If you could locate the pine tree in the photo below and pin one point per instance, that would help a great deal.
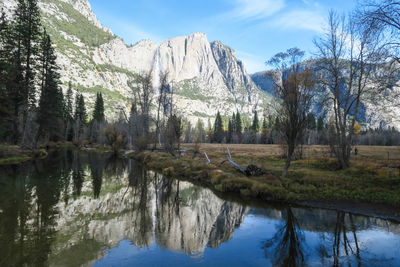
(218, 135)
(229, 137)
(256, 123)
(6, 103)
(69, 112)
(80, 116)
(209, 131)
(264, 132)
(27, 35)
(98, 113)
(51, 103)
(238, 126)
(98, 118)
(265, 124)
(11, 79)
(234, 122)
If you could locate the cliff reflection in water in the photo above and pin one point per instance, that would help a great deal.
(72, 208)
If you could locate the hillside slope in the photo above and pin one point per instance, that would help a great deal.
(206, 77)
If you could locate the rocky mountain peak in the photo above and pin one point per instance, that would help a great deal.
(206, 77)
(84, 7)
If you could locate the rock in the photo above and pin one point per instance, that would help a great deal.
(206, 77)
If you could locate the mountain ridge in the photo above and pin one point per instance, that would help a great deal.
(93, 59)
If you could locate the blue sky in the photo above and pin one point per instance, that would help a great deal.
(255, 29)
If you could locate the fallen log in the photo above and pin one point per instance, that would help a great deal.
(208, 160)
(250, 170)
(234, 164)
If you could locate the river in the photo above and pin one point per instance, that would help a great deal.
(90, 209)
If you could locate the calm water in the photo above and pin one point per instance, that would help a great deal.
(75, 209)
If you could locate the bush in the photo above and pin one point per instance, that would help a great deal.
(115, 137)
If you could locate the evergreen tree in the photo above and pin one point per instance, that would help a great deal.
(6, 104)
(264, 124)
(238, 126)
(264, 132)
(27, 23)
(51, 103)
(11, 79)
(234, 122)
(69, 114)
(256, 123)
(218, 135)
(98, 118)
(209, 131)
(98, 113)
(229, 137)
(80, 116)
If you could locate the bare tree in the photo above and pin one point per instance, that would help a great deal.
(349, 57)
(172, 134)
(383, 17)
(164, 102)
(142, 90)
(140, 117)
(294, 87)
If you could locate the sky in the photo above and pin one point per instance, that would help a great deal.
(255, 29)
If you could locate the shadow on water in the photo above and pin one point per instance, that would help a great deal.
(76, 208)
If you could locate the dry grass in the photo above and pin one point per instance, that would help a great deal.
(314, 177)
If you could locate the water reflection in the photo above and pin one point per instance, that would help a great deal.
(287, 243)
(75, 208)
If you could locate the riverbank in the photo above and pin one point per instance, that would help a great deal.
(312, 179)
(10, 155)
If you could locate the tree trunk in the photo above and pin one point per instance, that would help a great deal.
(288, 160)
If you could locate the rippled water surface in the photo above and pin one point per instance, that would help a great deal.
(75, 209)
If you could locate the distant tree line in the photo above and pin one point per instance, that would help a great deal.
(34, 109)
(237, 130)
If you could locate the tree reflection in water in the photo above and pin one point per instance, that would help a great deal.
(139, 183)
(285, 248)
(341, 231)
(67, 209)
(96, 165)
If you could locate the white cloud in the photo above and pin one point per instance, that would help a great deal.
(300, 19)
(254, 9)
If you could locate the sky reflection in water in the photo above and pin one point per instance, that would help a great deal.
(80, 209)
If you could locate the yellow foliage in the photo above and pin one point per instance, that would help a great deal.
(357, 128)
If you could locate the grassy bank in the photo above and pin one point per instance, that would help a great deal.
(10, 155)
(373, 177)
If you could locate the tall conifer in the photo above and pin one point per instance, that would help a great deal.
(98, 113)
(51, 103)
(218, 135)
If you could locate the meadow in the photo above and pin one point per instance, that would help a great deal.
(374, 175)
